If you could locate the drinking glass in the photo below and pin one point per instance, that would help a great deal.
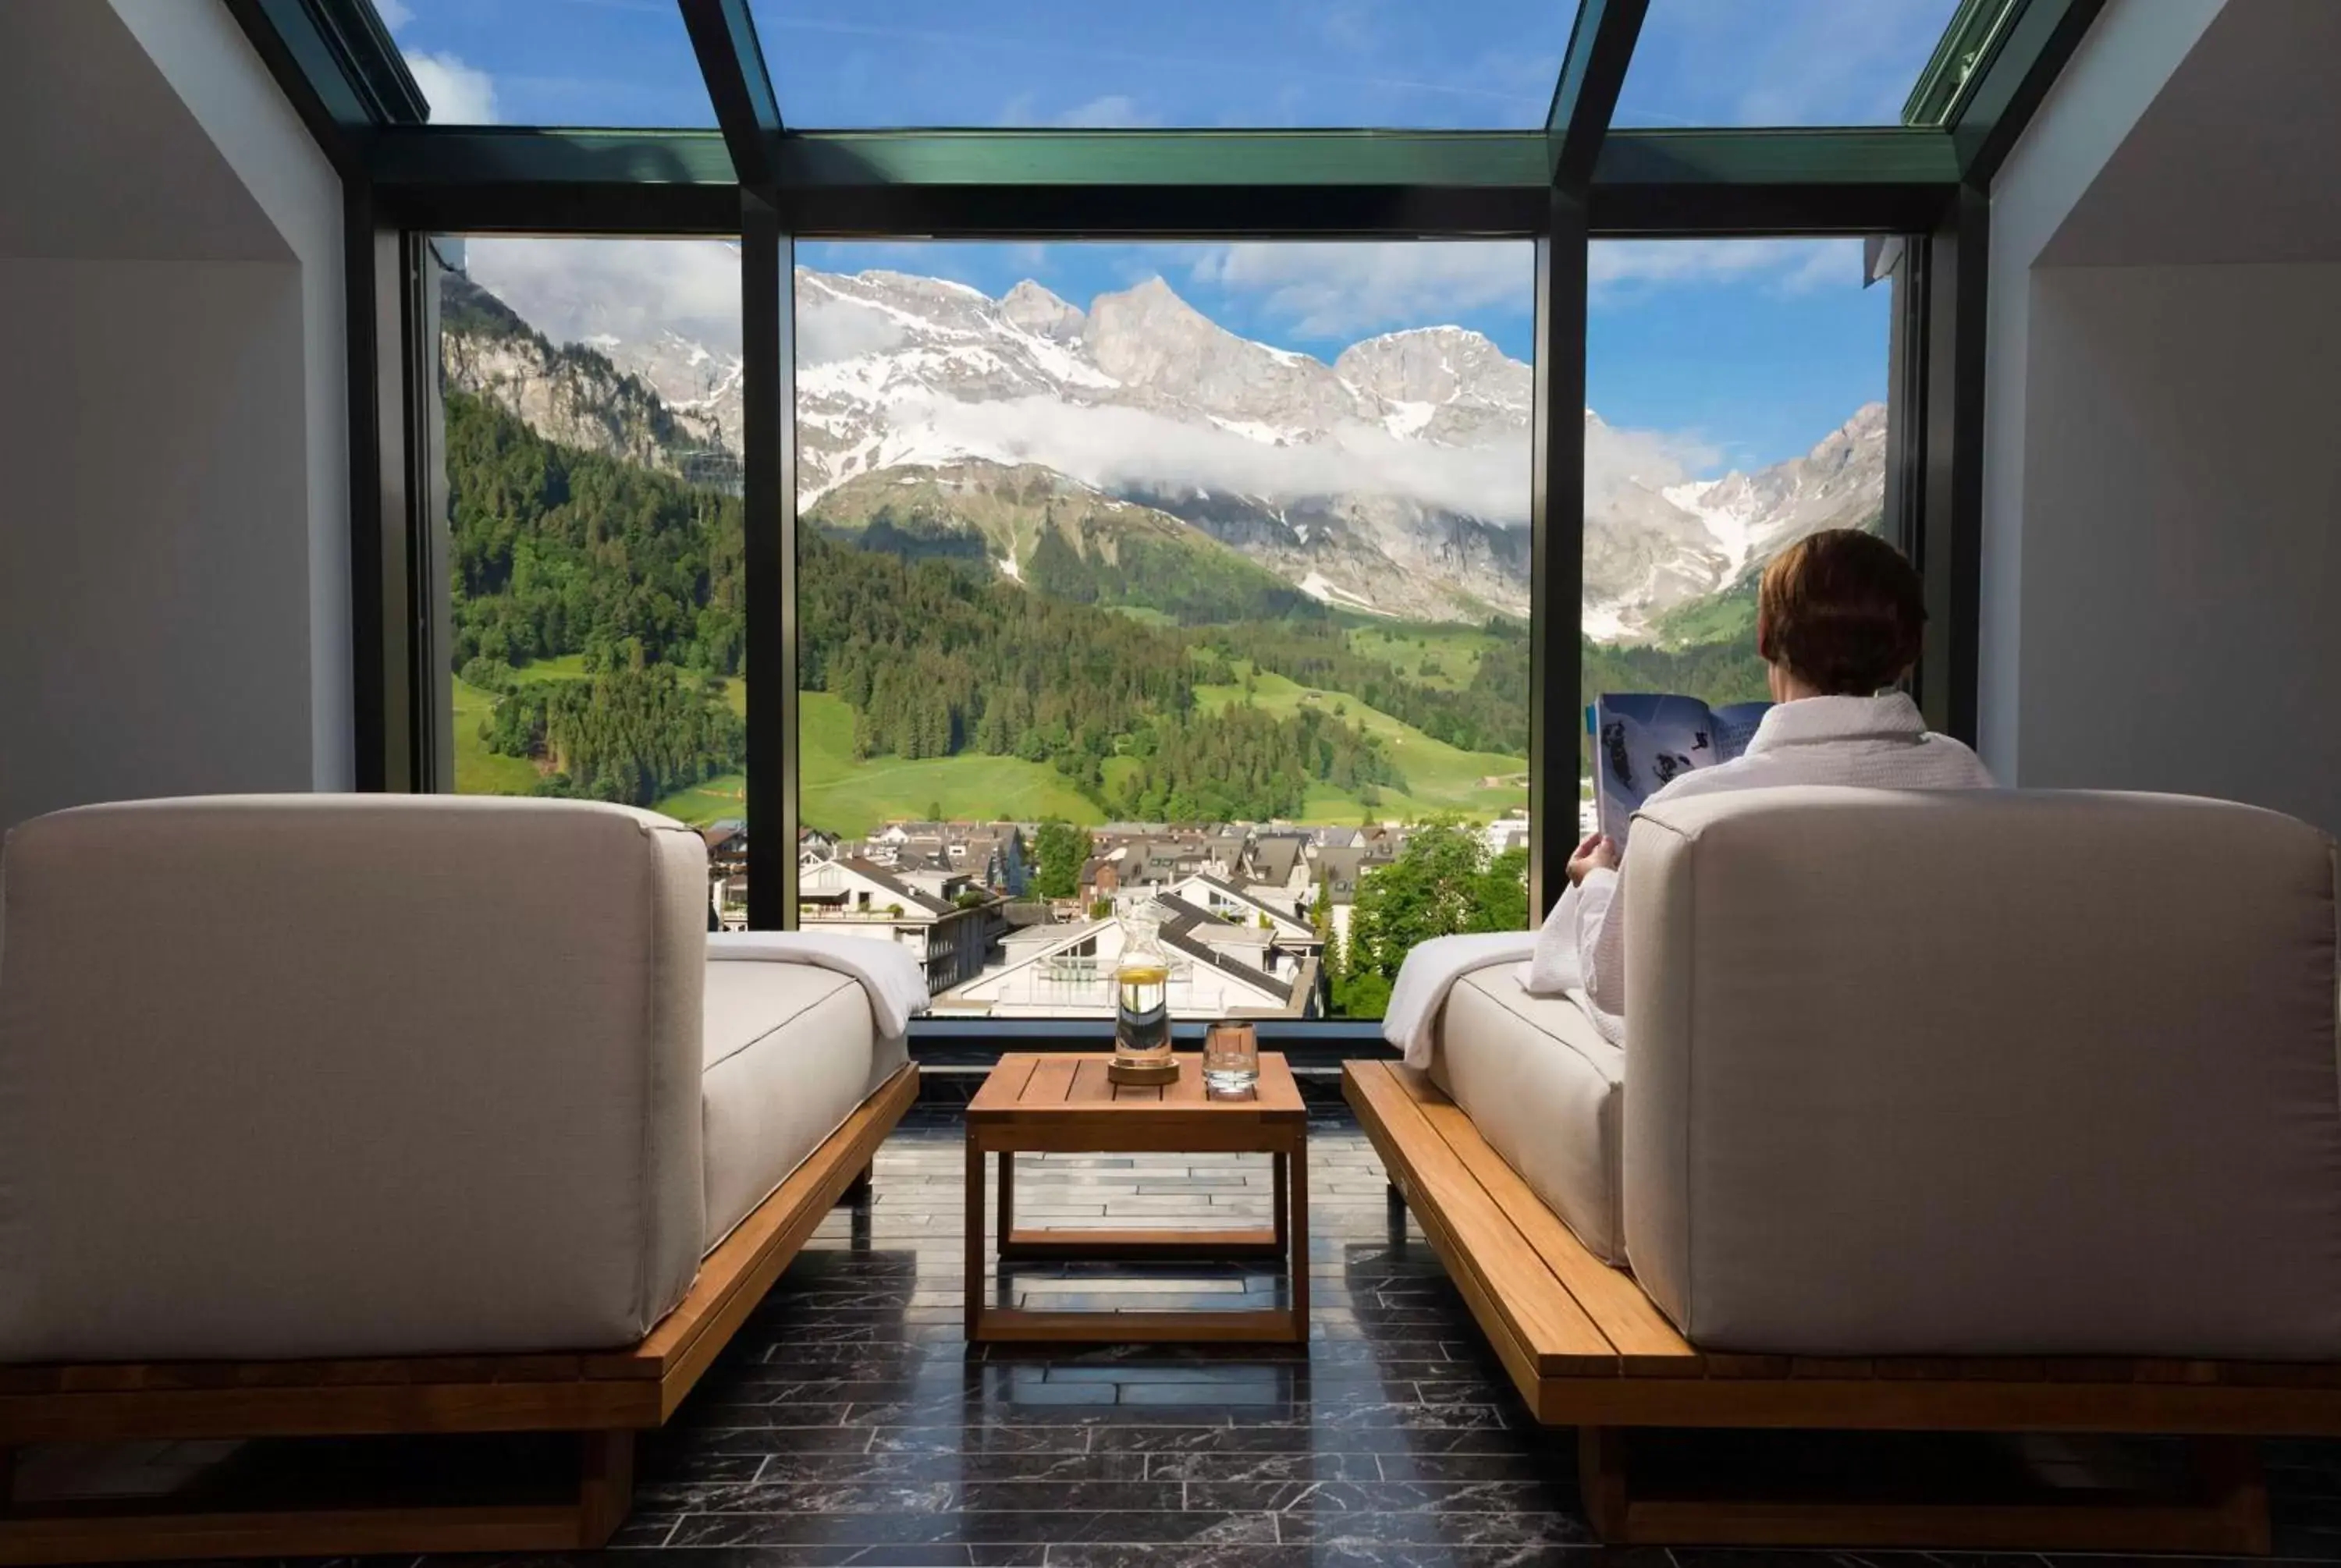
(1230, 1059)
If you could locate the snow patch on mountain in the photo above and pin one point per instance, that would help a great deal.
(1316, 586)
(1395, 479)
(1732, 521)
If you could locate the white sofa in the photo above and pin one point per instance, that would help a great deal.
(375, 1075)
(1960, 1073)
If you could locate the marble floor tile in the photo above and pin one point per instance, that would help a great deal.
(850, 1427)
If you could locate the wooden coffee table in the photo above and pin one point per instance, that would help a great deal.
(1060, 1102)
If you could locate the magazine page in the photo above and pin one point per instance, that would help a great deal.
(1644, 741)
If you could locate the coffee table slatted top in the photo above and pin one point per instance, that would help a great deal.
(1050, 1086)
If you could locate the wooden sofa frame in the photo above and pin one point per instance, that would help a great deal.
(1588, 1349)
(603, 1397)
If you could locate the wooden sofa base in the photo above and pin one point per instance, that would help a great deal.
(1587, 1349)
(2217, 1508)
(146, 1531)
(603, 1398)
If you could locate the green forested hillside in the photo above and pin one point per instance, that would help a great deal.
(1486, 712)
(1724, 616)
(1714, 672)
(1064, 539)
(937, 660)
(558, 551)
(1079, 674)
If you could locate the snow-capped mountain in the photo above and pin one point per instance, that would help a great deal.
(1650, 546)
(1394, 480)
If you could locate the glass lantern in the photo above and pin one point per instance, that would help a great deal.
(1142, 1012)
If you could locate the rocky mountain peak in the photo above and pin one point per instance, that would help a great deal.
(1851, 442)
(1045, 315)
(1393, 479)
(1149, 338)
(1427, 364)
(1142, 333)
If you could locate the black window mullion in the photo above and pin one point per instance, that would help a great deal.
(767, 318)
(1557, 552)
(1946, 431)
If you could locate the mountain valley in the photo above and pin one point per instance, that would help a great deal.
(1118, 559)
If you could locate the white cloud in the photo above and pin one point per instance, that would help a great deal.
(458, 94)
(1626, 269)
(1111, 112)
(1108, 112)
(571, 290)
(1121, 449)
(1348, 289)
(1645, 459)
(832, 329)
(1115, 448)
(394, 14)
(1780, 62)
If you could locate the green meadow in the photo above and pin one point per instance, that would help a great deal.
(842, 796)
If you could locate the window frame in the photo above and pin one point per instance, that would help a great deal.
(1572, 183)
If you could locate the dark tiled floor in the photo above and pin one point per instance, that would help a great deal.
(850, 1424)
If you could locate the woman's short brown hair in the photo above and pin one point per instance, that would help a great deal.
(1842, 610)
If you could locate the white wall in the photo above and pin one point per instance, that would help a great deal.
(2162, 515)
(2124, 60)
(2182, 569)
(174, 563)
(144, 569)
(212, 68)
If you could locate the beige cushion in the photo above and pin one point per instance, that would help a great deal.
(1984, 1072)
(1546, 1091)
(368, 1075)
(790, 1051)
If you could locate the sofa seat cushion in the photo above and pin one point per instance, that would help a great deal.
(790, 1050)
(1546, 1091)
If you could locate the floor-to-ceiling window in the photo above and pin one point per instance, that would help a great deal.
(592, 452)
(1736, 393)
(1170, 586)
(1134, 582)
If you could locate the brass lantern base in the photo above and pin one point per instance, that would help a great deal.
(1147, 1075)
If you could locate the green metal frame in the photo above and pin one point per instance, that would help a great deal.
(1592, 73)
(731, 63)
(1573, 182)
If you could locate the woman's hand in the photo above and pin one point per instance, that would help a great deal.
(1598, 851)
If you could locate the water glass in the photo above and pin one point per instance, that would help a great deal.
(1230, 1059)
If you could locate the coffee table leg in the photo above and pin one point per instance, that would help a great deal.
(1283, 1197)
(1007, 1197)
(1299, 1264)
(975, 1239)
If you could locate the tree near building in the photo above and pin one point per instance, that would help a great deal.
(1059, 849)
(1443, 882)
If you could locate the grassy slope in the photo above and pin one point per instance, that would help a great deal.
(1438, 777)
(846, 796)
(1728, 616)
(480, 771)
(1404, 646)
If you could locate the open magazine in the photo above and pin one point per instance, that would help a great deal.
(1643, 742)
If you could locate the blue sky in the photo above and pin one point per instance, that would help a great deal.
(1755, 350)
(1462, 64)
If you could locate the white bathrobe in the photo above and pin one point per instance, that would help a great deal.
(1869, 742)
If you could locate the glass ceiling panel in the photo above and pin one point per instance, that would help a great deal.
(1778, 62)
(623, 63)
(1478, 64)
